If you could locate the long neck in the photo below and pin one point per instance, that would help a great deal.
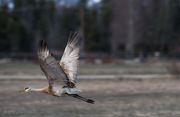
(43, 90)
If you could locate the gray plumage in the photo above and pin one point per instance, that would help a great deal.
(61, 73)
(65, 71)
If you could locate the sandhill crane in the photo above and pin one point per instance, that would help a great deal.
(61, 75)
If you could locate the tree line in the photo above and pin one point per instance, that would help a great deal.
(156, 25)
(31, 20)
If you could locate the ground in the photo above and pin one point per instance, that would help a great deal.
(32, 68)
(113, 98)
(117, 97)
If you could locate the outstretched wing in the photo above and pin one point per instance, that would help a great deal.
(69, 61)
(50, 66)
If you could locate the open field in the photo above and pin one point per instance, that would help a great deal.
(29, 68)
(114, 98)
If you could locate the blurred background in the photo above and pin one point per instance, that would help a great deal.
(129, 61)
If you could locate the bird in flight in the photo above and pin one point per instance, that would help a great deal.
(61, 75)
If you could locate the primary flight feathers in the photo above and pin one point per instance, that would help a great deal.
(68, 62)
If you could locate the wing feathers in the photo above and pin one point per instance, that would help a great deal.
(69, 60)
(51, 68)
(43, 51)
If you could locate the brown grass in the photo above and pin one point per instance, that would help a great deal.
(114, 98)
(174, 69)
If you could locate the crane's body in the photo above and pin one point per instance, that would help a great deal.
(61, 75)
(55, 91)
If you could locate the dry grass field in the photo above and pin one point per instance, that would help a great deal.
(29, 68)
(114, 98)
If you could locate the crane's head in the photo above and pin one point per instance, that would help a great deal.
(27, 89)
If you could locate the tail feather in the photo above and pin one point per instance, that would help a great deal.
(82, 98)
